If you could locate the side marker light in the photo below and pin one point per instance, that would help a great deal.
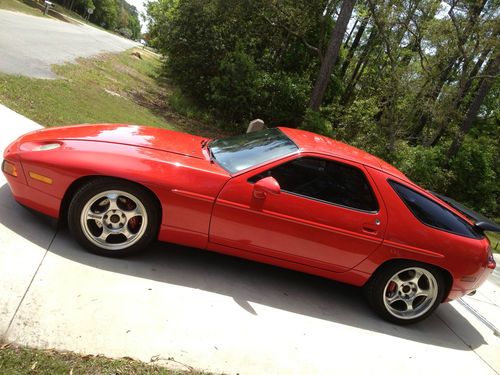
(41, 178)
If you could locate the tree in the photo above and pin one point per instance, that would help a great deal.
(490, 72)
(354, 45)
(111, 14)
(415, 81)
(331, 54)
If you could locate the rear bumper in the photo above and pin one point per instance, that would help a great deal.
(461, 288)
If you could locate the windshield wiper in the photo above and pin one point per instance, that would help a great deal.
(204, 144)
(211, 155)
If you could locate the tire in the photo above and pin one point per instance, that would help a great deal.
(405, 292)
(113, 217)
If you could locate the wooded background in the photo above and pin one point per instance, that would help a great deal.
(413, 81)
(115, 15)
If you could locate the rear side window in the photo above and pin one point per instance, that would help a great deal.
(431, 213)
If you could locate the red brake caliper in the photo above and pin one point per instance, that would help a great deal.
(133, 222)
(391, 289)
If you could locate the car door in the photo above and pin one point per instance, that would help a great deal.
(327, 214)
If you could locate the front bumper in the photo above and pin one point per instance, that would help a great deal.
(33, 198)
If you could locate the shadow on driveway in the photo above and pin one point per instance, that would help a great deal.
(249, 282)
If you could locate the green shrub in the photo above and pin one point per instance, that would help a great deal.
(234, 90)
(316, 123)
(423, 166)
(356, 125)
(282, 98)
(476, 170)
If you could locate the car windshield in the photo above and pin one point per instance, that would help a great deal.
(241, 152)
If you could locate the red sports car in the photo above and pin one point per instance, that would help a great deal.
(281, 196)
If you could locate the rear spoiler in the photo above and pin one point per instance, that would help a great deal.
(480, 221)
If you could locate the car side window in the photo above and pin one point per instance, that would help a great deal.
(431, 213)
(324, 180)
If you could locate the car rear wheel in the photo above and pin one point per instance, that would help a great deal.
(405, 292)
(113, 217)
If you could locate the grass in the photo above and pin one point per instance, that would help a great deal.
(19, 360)
(72, 16)
(70, 13)
(111, 88)
(30, 7)
(495, 241)
(18, 6)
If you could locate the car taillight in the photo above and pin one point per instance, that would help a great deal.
(491, 260)
(9, 168)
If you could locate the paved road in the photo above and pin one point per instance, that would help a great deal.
(184, 307)
(29, 44)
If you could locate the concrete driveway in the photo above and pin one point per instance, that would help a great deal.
(188, 308)
(30, 44)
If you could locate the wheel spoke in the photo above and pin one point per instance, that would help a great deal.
(115, 226)
(104, 234)
(417, 276)
(96, 217)
(409, 305)
(397, 280)
(394, 298)
(422, 293)
(126, 233)
(411, 300)
(133, 213)
(113, 201)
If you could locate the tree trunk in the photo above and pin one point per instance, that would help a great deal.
(351, 32)
(354, 45)
(358, 70)
(446, 69)
(432, 96)
(470, 82)
(461, 95)
(484, 87)
(331, 55)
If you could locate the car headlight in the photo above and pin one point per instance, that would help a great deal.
(40, 146)
(46, 147)
(9, 168)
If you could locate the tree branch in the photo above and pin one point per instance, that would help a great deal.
(294, 33)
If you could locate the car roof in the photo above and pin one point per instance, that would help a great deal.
(311, 142)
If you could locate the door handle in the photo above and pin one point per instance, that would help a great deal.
(369, 229)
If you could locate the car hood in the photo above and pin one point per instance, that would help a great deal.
(132, 135)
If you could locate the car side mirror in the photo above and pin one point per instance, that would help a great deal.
(264, 186)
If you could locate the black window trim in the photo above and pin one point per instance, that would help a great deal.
(478, 235)
(373, 212)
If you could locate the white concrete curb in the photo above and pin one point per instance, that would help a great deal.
(12, 125)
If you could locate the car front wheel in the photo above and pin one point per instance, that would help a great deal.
(113, 217)
(405, 292)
